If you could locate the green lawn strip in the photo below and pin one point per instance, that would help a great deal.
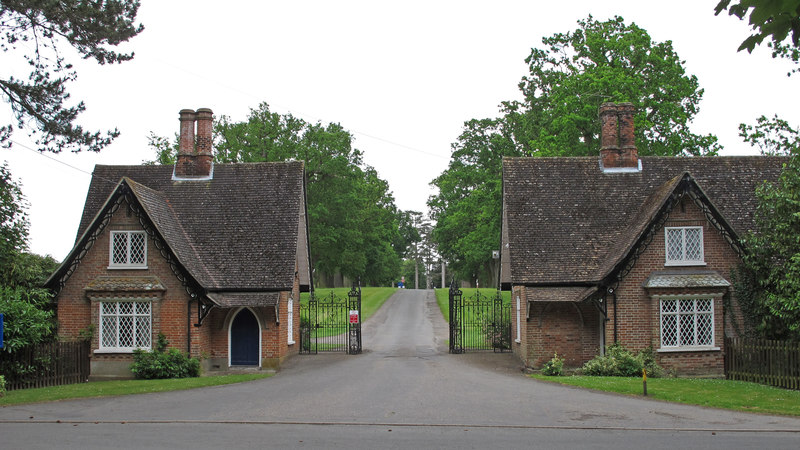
(120, 387)
(726, 394)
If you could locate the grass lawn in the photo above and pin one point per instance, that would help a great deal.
(443, 298)
(372, 298)
(726, 394)
(121, 387)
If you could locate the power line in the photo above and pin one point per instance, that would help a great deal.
(301, 114)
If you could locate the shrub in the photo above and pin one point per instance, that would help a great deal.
(554, 367)
(2, 386)
(621, 362)
(162, 363)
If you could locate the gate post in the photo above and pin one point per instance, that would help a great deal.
(456, 311)
(354, 303)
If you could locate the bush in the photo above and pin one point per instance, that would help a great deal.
(554, 367)
(2, 386)
(162, 363)
(621, 362)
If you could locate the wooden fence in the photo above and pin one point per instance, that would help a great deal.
(48, 364)
(775, 363)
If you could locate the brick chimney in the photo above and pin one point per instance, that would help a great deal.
(195, 154)
(617, 140)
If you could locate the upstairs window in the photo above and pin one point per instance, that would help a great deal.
(684, 246)
(128, 249)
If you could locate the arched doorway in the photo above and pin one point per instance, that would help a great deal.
(245, 339)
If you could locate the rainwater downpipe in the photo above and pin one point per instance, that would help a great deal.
(614, 294)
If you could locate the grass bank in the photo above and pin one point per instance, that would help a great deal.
(372, 298)
(725, 394)
(443, 297)
(121, 387)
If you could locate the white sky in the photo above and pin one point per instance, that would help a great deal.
(402, 76)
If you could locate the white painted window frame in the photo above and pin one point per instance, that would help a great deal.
(693, 346)
(683, 261)
(128, 264)
(116, 314)
(519, 315)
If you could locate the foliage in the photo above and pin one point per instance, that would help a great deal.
(2, 386)
(13, 218)
(28, 317)
(569, 78)
(767, 284)
(163, 363)
(776, 20)
(554, 367)
(621, 362)
(353, 220)
(40, 31)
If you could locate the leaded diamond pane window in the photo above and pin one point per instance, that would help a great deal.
(684, 245)
(125, 326)
(687, 323)
(128, 249)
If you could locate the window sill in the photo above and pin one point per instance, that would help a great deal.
(116, 350)
(127, 267)
(704, 348)
(685, 264)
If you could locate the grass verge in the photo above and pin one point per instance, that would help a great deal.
(120, 387)
(725, 394)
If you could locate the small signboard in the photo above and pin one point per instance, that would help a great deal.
(353, 316)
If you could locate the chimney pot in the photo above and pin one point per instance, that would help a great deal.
(194, 158)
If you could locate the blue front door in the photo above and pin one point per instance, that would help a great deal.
(244, 339)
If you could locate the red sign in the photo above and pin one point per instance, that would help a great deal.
(353, 316)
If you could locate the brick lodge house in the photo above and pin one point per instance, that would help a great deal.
(629, 250)
(214, 256)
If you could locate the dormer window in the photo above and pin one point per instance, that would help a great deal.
(128, 250)
(684, 246)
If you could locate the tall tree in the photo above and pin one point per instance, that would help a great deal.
(38, 30)
(768, 282)
(352, 214)
(25, 304)
(570, 76)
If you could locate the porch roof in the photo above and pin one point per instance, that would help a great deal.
(236, 299)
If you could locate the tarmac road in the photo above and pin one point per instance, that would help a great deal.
(404, 391)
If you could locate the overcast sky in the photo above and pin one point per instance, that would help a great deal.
(403, 77)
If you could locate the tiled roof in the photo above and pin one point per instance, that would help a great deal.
(685, 279)
(567, 221)
(125, 284)
(237, 231)
(235, 299)
(560, 294)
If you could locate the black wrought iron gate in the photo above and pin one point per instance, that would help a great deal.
(331, 323)
(479, 322)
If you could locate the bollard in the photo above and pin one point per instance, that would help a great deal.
(644, 381)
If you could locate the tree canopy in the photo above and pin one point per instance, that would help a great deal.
(776, 21)
(25, 304)
(768, 282)
(569, 77)
(352, 217)
(39, 31)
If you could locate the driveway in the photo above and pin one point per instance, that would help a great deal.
(404, 391)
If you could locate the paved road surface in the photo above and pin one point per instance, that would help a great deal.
(404, 391)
